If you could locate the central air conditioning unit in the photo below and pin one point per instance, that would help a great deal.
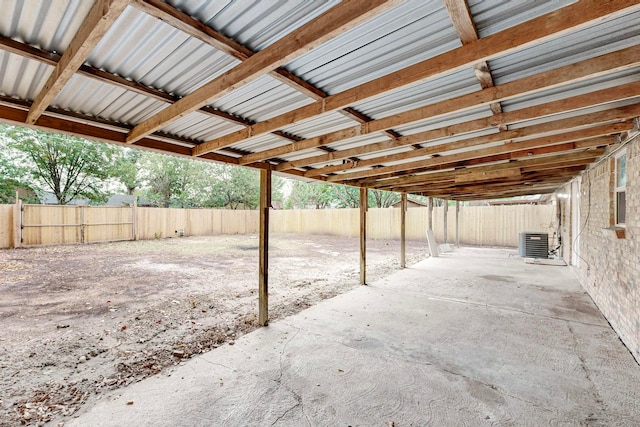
(533, 245)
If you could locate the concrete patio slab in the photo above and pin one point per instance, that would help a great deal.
(475, 337)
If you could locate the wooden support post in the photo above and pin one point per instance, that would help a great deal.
(458, 223)
(17, 222)
(430, 213)
(445, 210)
(403, 234)
(263, 285)
(363, 235)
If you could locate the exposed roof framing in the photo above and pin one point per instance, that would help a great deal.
(100, 18)
(337, 20)
(463, 22)
(445, 99)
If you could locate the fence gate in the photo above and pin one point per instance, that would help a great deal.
(59, 224)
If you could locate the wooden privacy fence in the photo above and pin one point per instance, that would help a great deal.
(50, 224)
(55, 224)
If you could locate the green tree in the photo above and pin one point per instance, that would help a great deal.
(68, 166)
(14, 175)
(382, 199)
(234, 187)
(127, 168)
(171, 181)
(318, 195)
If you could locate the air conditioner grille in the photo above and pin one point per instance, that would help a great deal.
(534, 245)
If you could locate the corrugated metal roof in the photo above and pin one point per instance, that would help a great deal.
(254, 23)
(492, 16)
(49, 25)
(359, 141)
(447, 120)
(402, 36)
(605, 37)
(573, 89)
(321, 125)
(262, 142)
(94, 98)
(262, 99)
(579, 112)
(21, 77)
(149, 51)
(429, 92)
(201, 127)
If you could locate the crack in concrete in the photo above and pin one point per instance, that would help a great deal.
(296, 396)
(583, 365)
(493, 387)
(479, 304)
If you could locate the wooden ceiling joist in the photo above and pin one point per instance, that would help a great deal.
(468, 33)
(574, 122)
(430, 177)
(615, 61)
(504, 137)
(539, 29)
(191, 26)
(525, 184)
(103, 76)
(542, 110)
(101, 16)
(337, 20)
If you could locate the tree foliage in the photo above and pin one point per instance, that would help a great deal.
(316, 195)
(67, 166)
(13, 176)
(320, 195)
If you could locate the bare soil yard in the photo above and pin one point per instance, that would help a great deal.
(79, 320)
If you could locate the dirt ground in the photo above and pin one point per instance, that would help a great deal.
(80, 320)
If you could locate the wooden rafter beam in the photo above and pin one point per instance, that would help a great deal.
(14, 111)
(194, 28)
(100, 18)
(337, 20)
(542, 28)
(551, 178)
(102, 76)
(568, 104)
(468, 33)
(432, 177)
(585, 120)
(608, 63)
(527, 183)
(442, 149)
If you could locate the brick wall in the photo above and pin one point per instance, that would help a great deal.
(609, 265)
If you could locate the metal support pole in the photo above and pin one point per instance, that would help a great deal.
(263, 280)
(430, 213)
(363, 235)
(403, 234)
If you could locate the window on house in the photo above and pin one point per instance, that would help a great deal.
(621, 187)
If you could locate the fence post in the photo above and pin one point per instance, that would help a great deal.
(82, 227)
(134, 218)
(17, 222)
